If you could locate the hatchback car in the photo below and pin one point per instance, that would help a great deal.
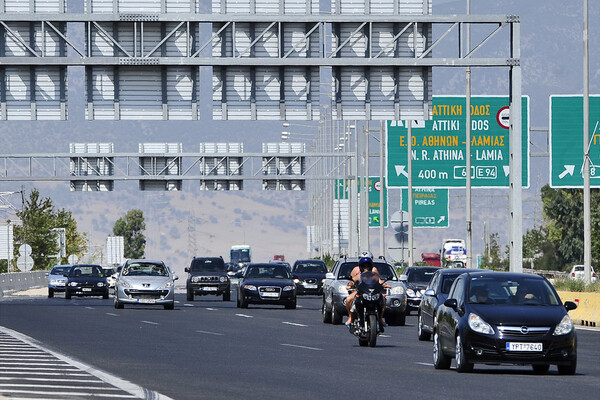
(269, 283)
(86, 280)
(416, 280)
(207, 275)
(578, 272)
(146, 282)
(499, 317)
(309, 276)
(57, 280)
(435, 294)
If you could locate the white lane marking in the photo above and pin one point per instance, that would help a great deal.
(150, 322)
(112, 314)
(211, 309)
(70, 394)
(63, 386)
(301, 347)
(90, 308)
(587, 328)
(426, 364)
(39, 373)
(386, 336)
(6, 378)
(188, 305)
(244, 315)
(210, 333)
(177, 301)
(294, 324)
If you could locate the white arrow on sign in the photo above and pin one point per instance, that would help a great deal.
(506, 169)
(400, 169)
(569, 169)
(442, 218)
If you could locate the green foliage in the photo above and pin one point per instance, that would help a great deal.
(3, 266)
(538, 246)
(132, 227)
(76, 243)
(575, 285)
(494, 258)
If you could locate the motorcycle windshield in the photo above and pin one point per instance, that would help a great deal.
(369, 281)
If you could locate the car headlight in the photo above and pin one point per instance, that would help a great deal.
(100, 284)
(410, 292)
(167, 285)
(323, 280)
(477, 324)
(73, 284)
(565, 326)
(288, 288)
(250, 287)
(296, 281)
(123, 283)
(342, 289)
(223, 279)
(397, 290)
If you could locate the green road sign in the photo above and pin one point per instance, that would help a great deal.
(430, 207)
(566, 141)
(375, 188)
(438, 145)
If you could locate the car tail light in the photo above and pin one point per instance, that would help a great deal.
(572, 273)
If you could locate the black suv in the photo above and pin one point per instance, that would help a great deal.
(207, 275)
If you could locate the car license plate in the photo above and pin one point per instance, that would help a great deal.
(209, 289)
(310, 286)
(86, 289)
(270, 294)
(146, 301)
(515, 346)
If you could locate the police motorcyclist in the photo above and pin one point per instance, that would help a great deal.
(365, 264)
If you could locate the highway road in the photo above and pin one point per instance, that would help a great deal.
(209, 349)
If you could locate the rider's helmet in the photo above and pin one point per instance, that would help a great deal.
(365, 260)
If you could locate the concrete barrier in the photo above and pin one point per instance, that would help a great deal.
(588, 307)
(16, 281)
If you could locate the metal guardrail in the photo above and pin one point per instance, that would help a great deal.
(15, 281)
(546, 273)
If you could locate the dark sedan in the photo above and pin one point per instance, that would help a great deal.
(416, 280)
(435, 295)
(309, 276)
(499, 317)
(269, 283)
(86, 280)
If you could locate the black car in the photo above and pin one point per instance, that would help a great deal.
(500, 317)
(268, 283)
(207, 275)
(416, 280)
(309, 276)
(86, 280)
(435, 294)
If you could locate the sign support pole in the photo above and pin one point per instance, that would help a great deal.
(587, 212)
(469, 239)
(410, 189)
(381, 192)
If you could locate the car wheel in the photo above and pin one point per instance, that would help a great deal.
(50, 292)
(568, 369)
(326, 314)
(423, 336)
(105, 295)
(291, 306)
(170, 306)
(227, 296)
(462, 364)
(440, 360)
(540, 368)
(118, 304)
(400, 319)
(336, 317)
(190, 295)
(243, 302)
(67, 295)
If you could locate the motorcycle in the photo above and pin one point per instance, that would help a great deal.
(369, 296)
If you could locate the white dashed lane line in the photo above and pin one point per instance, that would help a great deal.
(294, 324)
(112, 314)
(211, 333)
(301, 347)
(150, 322)
(244, 315)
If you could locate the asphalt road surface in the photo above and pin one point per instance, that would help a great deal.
(209, 349)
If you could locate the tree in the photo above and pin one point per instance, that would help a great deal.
(38, 220)
(76, 243)
(493, 257)
(538, 246)
(132, 227)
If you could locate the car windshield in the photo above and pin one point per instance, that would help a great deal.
(208, 265)
(60, 270)
(86, 271)
(511, 290)
(268, 271)
(386, 272)
(145, 269)
(420, 275)
(310, 268)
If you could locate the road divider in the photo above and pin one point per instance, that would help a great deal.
(587, 312)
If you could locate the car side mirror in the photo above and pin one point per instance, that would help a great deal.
(570, 305)
(46, 274)
(186, 269)
(175, 277)
(239, 275)
(451, 303)
(429, 292)
(403, 278)
(329, 275)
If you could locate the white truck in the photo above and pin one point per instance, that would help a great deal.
(454, 253)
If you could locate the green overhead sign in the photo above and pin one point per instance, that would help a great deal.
(430, 207)
(439, 145)
(566, 141)
(375, 188)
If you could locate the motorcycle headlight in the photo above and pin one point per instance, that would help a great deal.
(100, 284)
(371, 297)
(565, 326)
(397, 290)
(252, 288)
(410, 292)
(123, 283)
(288, 288)
(167, 285)
(342, 289)
(477, 324)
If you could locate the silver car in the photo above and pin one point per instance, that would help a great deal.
(145, 282)
(57, 279)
